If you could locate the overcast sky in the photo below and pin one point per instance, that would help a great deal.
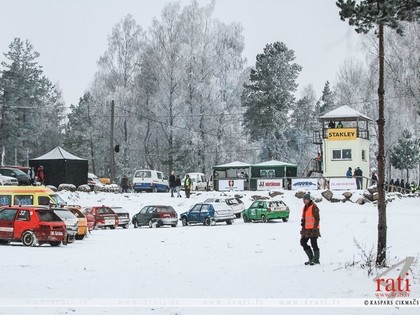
(70, 35)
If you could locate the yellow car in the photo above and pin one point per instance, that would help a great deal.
(82, 229)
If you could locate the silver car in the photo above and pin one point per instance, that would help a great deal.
(123, 217)
(71, 222)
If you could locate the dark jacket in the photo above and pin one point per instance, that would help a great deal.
(178, 182)
(124, 182)
(172, 180)
(311, 232)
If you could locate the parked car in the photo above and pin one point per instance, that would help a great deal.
(155, 216)
(150, 180)
(90, 220)
(82, 228)
(31, 226)
(94, 182)
(8, 181)
(22, 177)
(123, 216)
(266, 210)
(235, 203)
(208, 213)
(198, 181)
(71, 222)
(104, 217)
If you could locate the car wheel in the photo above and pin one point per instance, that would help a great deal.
(134, 223)
(56, 243)
(207, 221)
(113, 227)
(173, 225)
(28, 238)
(264, 218)
(125, 226)
(184, 221)
(150, 224)
(78, 237)
(229, 222)
(285, 219)
(4, 242)
(245, 218)
(238, 215)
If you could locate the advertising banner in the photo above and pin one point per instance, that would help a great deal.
(231, 184)
(304, 183)
(268, 184)
(343, 184)
(340, 134)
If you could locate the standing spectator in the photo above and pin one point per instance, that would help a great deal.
(178, 186)
(331, 124)
(358, 173)
(318, 160)
(40, 174)
(187, 186)
(396, 184)
(172, 184)
(31, 175)
(374, 179)
(349, 173)
(310, 230)
(340, 124)
(124, 184)
(402, 185)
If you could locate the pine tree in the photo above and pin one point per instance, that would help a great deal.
(405, 155)
(29, 103)
(268, 98)
(366, 15)
(327, 101)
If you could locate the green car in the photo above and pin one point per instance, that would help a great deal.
(266, 210)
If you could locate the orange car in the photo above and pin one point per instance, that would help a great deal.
(82, 224)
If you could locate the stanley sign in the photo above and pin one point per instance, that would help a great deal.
(341, 134)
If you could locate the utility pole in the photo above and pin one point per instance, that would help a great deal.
(111, 145)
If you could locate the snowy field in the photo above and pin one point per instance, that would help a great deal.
(135, 271)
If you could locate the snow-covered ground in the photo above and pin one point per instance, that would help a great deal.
(136, 271)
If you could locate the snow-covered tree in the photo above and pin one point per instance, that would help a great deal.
(31, 107)
(405, 155)
(269, 97)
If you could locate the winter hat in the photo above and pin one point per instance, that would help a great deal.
(307, 196)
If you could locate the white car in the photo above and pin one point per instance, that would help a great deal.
(123, 216)
(71, 222)
(8, 181)
(94, 182)
(150, 180)
(198, 181)
(235, 203)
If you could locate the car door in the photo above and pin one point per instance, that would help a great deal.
(148, 215)
(261, 209)
(21, 223)
(7, 218)
(204, 212)
(252, 211)
(140, 214)
(194, 214)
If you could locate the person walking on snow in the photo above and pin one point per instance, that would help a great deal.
(40, 175)
(187, 186)
(172, 184)
(178, 186)
(310, 230)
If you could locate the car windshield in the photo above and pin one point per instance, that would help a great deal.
(57, 200)
(77, 213)
(165, 210)
(64, 214)
(232, 201)
(48, 216)
(275, 204)
(143, 174)
(18, 172)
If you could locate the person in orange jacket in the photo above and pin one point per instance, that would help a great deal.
(310, 230)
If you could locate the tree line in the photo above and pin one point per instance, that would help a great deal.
(185, 98)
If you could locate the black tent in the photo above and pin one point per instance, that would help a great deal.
(62, 167)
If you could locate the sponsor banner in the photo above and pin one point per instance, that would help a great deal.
(343, 184)
(268, 184)
(231, 184)
(340, 134)
(304, 183)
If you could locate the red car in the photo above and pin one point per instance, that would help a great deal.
(104, 216)
(31, 226)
